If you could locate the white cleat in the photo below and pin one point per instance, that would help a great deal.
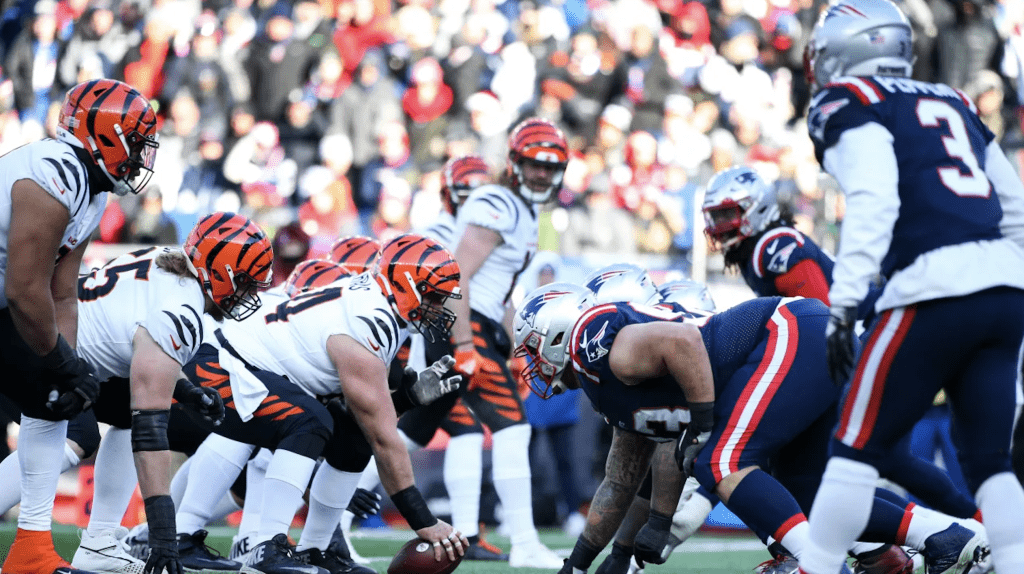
(107, 553)
(533, 555)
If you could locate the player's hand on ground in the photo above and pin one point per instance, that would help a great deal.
(205, 401)
(431, 383)
(364, 503)
(445, 539)
(840, 343)
(652, 542)
(163, 560)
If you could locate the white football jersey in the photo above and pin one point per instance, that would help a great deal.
(55, 167)
(290, 338)
(442, 229)
(495, 207)
(131, 292)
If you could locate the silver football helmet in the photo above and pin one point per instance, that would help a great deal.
(622, 283)
(859, 38)
(738, 204)
(693, 295)
(542, 327)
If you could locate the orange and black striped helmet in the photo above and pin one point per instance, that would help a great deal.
(356, 254)
(232, 258)
(460, 176)
(116, 125)
(311, 274)
(417, 274)
(538, 141)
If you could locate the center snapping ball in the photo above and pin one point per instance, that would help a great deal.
(417, 557)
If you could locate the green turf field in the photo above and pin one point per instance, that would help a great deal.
(703, 554)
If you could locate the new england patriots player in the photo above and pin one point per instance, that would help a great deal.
(53, 195)
(724, 394)
(497, 230)
(933, 205)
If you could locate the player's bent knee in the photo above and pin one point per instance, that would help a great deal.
(84, 432)
(306, 436)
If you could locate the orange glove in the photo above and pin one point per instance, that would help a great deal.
(467, 362)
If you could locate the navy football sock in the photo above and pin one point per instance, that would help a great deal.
(767, 507)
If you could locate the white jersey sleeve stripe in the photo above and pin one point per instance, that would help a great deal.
(509, 207)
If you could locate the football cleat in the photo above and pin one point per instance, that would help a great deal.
(240, 547)
(954, 550)
(781, 564)
(485, 551)
(196, 555)
(331, 562)
(107, 552)
(533, 555)
(277, 556)
(33, 553)
(138, 541)
(889, 559)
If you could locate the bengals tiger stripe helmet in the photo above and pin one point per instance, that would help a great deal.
(231, 256)
(460, 176)
(356, 254)
(537, 141)
(417, 275)
(311, 274)
(115, 124)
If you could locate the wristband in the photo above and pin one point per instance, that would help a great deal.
(583, 554)
(413, 508)
(160, 515)
(702, 416)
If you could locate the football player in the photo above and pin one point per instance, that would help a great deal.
(745, 383)
(54, 193)
(356, 254)
(496, 230)
(329, 341)
(692, 295)
(935, 208)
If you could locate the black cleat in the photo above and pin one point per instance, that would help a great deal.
(196, 555)
(277, 556)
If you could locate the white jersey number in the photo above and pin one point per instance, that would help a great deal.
(931, 114)
(661, 421)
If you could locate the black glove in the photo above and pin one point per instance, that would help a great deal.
(840, 343)
(618, 561)
(77, 388)
(364, 503)
(430, 384)
(163, 538)
(696, 435)
(567, 568)
(652, 542)
(205, 401)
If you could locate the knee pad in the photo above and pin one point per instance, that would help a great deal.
(307, 435)
(149, 430)
(85, 432)
(510, 453)
(348, 452)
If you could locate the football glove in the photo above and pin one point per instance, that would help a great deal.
(163, 538)
(697, 434)
(652, 542)
(618, 561)
(205, 401)
(430, 383)
(77, 387)
(364, 503)
(840, 343)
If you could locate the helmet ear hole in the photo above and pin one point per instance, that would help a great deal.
(105, 140)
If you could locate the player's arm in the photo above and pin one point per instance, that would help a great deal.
(1009, 189)
(805, 279)
(474, 248)
(863, 161)
(38, 222)
(65, 292)
(648, 350)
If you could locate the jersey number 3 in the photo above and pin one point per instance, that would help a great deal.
(974, 183)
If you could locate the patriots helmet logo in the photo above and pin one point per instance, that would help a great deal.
(592, 347)
(531, 307)
(595, 283)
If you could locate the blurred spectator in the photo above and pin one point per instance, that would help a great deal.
(416, 32)
(392, 162)
(466, 63)
(425, 103)
(201, 74)
(302, 131)
(329, 212)
(987, 92)
(370, 102)
(488, 127)
(204, 181)
(594, 80)
(291, 247)
(239, 29)
(611, 133)
(98, 43)
(179, 138)
(278, 64)
(358, 27)
(143, 63)
(32, 65)
(682, 142)
(258, 164)
(150, 225)
(310, 25)
(969, 45)
(392, 215)
(648, 82)
(596, 225)
(514, 80)
(327, 82)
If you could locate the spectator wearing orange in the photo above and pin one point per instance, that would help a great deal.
(426, 103)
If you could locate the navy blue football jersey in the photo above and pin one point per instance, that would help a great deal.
(940, 145)
(657, 407)
(778, 251)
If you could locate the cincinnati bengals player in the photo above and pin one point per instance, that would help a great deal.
(335, 340)
(356, 254)
(311, 274)
(53, 194)
(496, 236)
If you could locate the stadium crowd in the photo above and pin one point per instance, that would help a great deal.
(339, 114)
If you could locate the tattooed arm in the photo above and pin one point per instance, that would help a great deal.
(668, 480)
(628, 461)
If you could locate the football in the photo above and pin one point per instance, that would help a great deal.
(417, 557)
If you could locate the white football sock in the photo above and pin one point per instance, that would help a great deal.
(215, 466)
(839, 515)
(179, 482)
(41, 455)
(287, 477)
(114, 482)
(798, 539)
(1002, 505)
(923, 523)
(510, 462)
(463, 472)
(10, 477)
(858, 548)
(255, 476)
(329, 495)
(370, 478)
